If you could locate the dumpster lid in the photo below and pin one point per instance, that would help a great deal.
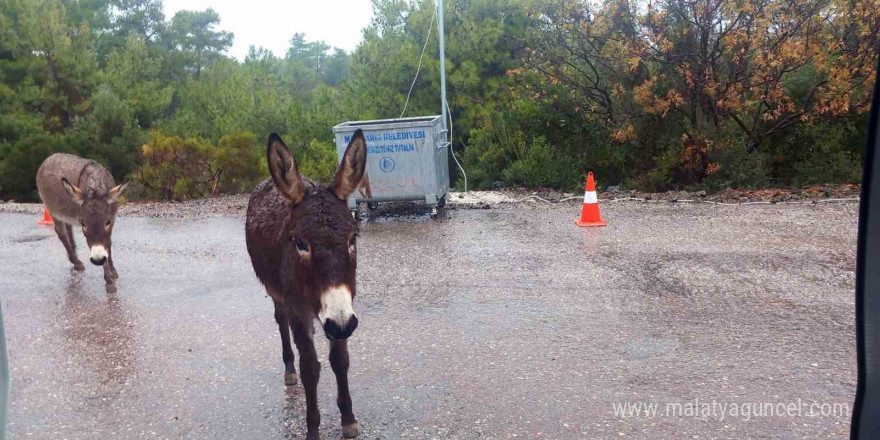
(397, 122)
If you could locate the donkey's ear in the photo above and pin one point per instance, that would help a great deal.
(75, 194)
(282, 167)
(350, 173)
(117, 191)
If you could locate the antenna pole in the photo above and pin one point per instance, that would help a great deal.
(442, 68)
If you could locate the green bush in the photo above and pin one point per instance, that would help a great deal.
(175, 168)
(493, 147)
(735, 167)
(541, 167)
(20, 161)
(317, 161)
(660, 178)
(825, 156)
(712, 161)
(240, 163)
(522, 145)
(107, 134)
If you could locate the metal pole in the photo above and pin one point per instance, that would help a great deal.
(442, 69)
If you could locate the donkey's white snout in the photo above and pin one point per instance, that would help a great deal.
(98, 255)
(337, 312)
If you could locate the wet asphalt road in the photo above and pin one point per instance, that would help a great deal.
(501, 323)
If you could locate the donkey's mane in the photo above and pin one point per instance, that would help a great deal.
(91, 194)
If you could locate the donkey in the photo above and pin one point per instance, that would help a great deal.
(302, 243)
(91, 201)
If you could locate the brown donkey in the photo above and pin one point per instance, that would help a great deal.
(79, 191)
(301, 239)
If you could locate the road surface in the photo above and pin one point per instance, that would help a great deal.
(489, 323)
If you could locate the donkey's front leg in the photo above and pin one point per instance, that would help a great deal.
(113, 272)
(339, 362)
(286, 351)
(109, 281)
(109, 273)
(65, 234)
(309, 371)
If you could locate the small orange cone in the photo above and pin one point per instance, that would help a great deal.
(47, 220)
(590, 212)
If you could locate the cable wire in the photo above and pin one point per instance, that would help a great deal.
(419, 68)
(449, 114)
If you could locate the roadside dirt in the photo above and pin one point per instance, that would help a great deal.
(237, 204)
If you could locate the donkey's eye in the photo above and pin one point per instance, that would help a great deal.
(301, 245)
(107, 225)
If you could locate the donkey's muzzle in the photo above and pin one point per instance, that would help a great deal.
(98, 255)
(336, 332)
(336, 314)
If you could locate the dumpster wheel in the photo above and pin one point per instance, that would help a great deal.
(439, 210)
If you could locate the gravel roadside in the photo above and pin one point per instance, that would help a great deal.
(236, 205)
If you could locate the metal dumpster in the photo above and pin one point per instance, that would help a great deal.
(407, 159)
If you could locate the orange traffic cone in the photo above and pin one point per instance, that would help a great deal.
(47, 220)
(590, 212)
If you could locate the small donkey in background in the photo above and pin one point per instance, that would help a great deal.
(302, 242)
(77, 190)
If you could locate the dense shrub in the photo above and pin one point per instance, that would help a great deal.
(19, 162)
(239, 163)
(712, 164)
(109, 134)
(541, 166)
(491, 150)
(317, 160)
(175, 168)
(824, 153)
(735, 167)
(524, 145)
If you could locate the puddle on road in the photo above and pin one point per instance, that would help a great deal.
(400, 212)
(97, 335)
(29, 238)
(647, 346)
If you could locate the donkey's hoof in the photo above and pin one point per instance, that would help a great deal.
(350, 431)
(79, 266)
(290, 379)
(111, 288)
